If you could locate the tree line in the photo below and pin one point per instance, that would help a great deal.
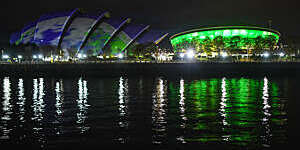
(230, 45)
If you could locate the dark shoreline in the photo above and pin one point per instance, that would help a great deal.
(164, 69)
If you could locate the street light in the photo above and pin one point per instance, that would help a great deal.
(20, 56)
(224, 54)
(266, 54)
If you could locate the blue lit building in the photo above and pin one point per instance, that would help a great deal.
(74, 32)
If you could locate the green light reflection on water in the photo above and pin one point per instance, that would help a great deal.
(239, 121)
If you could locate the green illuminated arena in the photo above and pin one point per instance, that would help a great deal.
(232, 39)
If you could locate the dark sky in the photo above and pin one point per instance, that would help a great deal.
(169, 15)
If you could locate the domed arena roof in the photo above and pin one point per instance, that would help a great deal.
(77, 32)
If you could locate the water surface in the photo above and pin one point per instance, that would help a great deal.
(48, 112)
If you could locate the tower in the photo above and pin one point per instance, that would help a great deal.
(270, 23)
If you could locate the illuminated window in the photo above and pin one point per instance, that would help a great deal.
(265, 33)
(243, 32)
(226, 33)
(235, 32)
(217, 33)
(202, 37)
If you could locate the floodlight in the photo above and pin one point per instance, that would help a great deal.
(181, 55)
(224, 54)
(281, 54)
(190, 54)
(266, 54)
(5, 56)
(79, 55)
(120, 56)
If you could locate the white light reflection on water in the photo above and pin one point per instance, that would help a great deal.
(123, 110)
(59, 98)
(159, 112)
(38, 101)
(82, 105)
(6, 109)
(223, 106)
(182, 110)
(21, 101)
(267, 114)
(59, 101)
(38, 109)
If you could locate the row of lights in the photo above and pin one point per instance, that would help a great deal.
(37, 56)
(20, 56)
(7, 57)
(120, 56)
(190, 54)
(266, 54)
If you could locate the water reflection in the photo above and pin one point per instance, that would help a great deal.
(38, 109)
(123, 109)
(59, 91)
(38, 101)
(223, 107)
(59, 98)
(82, 105)
(182, 110)
(242, 111)
(159, 112)
(6, 109)
(21, 101)
(266, 107)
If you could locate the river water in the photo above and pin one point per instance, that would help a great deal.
(235, 112)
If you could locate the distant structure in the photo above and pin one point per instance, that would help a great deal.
(75, 32)
(230, 40)
(270, 24)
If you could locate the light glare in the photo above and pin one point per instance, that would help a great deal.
(190, 54)
(281, 54)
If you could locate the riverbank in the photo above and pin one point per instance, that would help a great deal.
(117, 69)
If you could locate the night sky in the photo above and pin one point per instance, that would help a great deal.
(171, 16)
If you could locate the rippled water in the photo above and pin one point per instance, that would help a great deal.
(49, 112)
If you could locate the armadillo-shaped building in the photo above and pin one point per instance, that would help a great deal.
(76, 32)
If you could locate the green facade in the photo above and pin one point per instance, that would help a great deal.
(244, 36)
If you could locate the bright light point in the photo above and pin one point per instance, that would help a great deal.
(190, 54)
(281, 54)
(34, 56)
(266, 54)
(5, 56)
(79, 55)
(20, 56)
(84, 56)
(101, 57)
(224, 54)
(120, 56)
(181, 55)
(40, 56)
